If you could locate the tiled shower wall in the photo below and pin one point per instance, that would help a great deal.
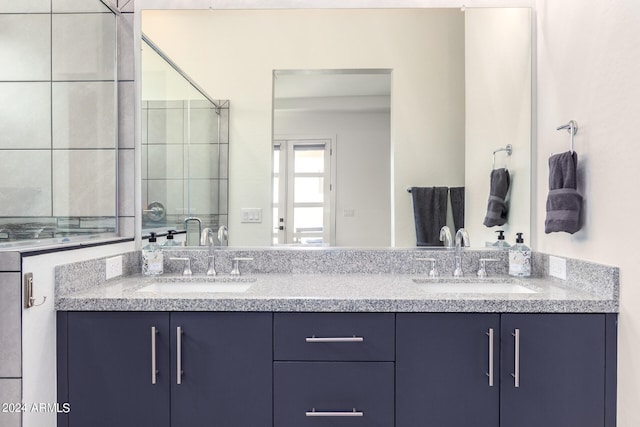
(59, 124)
(185, 152)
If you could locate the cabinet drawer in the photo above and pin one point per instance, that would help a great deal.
(333, 394)
(334, 336)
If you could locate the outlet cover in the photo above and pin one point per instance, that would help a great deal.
(113, 267)
(558, 267)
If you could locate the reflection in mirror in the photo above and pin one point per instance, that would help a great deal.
(332, 157)
(184, 149)
(461, 85)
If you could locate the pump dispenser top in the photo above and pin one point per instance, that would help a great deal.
(501, 243)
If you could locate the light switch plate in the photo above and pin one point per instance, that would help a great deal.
(558, 267)
(251, 215)
(113, 267)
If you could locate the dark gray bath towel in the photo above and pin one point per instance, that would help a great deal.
(456, 194)
(497, 209)
(429, 213)
(563, 202)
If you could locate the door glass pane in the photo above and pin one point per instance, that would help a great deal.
(308, 219)
(308, 190)
(309, 160)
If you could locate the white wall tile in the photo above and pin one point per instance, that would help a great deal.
(165, 161)
(203, 125)
(25, 6)
(84, 183)
(78, 6)
(203, 196)
(84, 115)
(25, 48)
(25, 183)
(10, 391)
(165, 125)
(168, 192)
(126, 58)
(84, 46)
(25, 109)
(126, 114)
(10, 326)
(202, 161)
(126, 182)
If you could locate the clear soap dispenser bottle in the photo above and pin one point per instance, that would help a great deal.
(501, 243)
(169, 241)
(520, 258)
(152, 258)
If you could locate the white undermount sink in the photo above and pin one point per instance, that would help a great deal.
(199, 285)
(473, 287)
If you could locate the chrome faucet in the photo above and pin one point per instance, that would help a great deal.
(207, 239)
(445, 236)
(462, 239)
(186, 227)
(223, 234)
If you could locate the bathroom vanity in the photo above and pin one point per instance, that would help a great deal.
(337, 349)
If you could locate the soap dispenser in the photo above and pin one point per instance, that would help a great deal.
(152, 258)
(169, 241)
(501, 243)
(520, 258)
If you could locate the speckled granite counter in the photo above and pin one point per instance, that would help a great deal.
(336, 279)
(338, 293)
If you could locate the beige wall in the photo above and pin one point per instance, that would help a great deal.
(232, 55)
(588, 67)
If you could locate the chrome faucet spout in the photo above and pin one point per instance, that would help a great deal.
(186, 226)
(462, 239)
(207, 239)
(445, 236)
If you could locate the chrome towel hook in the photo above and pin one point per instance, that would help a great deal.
(572, 128)
(508, 149)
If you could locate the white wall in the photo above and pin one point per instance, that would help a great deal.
(588, 69)
(498, 106)
(363, 170)
(232, 55)
(39, 329)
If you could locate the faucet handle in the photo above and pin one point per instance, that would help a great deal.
(482, 271)
(186, 271)
(235, 271)
(434, 271)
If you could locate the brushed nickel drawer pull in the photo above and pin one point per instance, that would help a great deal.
(516, 374)
(354, 413)
(490, 373)
(178, 355)
(154, 369)
(334, 339)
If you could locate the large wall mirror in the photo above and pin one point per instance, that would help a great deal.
(458, 88)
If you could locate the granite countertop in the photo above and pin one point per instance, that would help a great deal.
(340, 293)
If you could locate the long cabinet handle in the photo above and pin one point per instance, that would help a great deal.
(178, 355)
(516, 374)
(353, 413)
(154, 368)
(334, 339)
(490, 373)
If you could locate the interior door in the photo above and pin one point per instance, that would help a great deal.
(302, 192)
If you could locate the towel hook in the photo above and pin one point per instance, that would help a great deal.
(508, 149)
(572, 128)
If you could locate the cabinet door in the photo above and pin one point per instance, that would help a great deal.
(442, 370)
(226, 363)
(110, 358)
(559, 364)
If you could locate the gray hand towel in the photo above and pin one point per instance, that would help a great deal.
(456, 194)
(563, 202)
(429, 213)
(497, 208)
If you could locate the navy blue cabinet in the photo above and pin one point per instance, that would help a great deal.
(218, 372)
(547, 370)
(553, 370)
(447, 370)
